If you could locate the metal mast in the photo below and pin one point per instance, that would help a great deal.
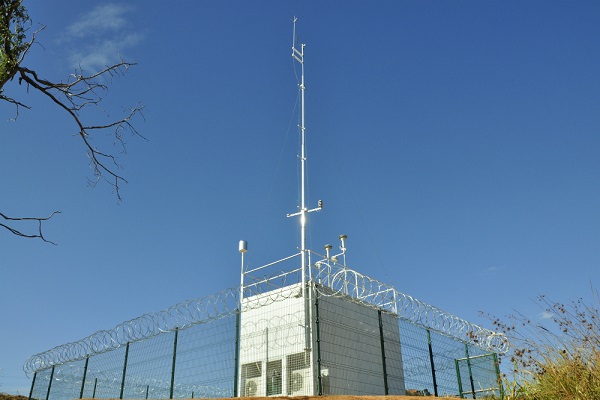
(298, 55)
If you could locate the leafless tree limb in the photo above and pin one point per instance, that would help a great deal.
(18, 232)
(73, 96)
(83, 91)
(16, 103)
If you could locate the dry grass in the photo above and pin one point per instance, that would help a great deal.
(5, 396)
(557, 361)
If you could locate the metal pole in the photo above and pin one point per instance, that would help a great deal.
(50, 383)
(435, 387)
(498, 376)
(303, 209)
(266, 365)
(318, 344)
(85, 368)
(237, 355)
(236, 374)
(124, 370)
(243, 248)
(470, 372)
(32, 384)
(147, 390)
(174, 362)
(299, 56)
(303, 177)
(383, 363)
(95, 384)
(458, 378)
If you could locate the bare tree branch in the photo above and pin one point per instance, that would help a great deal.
(16, 103)
(72, 96)
(18, 232)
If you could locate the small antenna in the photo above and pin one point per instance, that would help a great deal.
(294, 33)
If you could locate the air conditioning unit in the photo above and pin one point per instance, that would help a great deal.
(299, 383)
(253, 387)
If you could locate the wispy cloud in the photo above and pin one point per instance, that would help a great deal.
(488, 271)
(546, 315)
(106, 17)
(104, 52)
(99, 37)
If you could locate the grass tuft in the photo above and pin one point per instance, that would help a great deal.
(558, 359)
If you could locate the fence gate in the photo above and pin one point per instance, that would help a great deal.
(478, 376)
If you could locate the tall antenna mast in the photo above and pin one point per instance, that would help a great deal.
(298, 55)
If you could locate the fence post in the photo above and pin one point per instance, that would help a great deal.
(50, 383)
(174, 362)
(318, 342)
(435, 387)
(147, 390)
(458, 378)
(385, 377)
(124, 371)
(498, 376)
(32, 384)
(85, 368)
(95, 384)
(237, 355)
(470, 372)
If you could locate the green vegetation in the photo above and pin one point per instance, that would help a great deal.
(558, 361)
(14, 23)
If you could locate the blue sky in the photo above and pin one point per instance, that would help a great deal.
(456, 143)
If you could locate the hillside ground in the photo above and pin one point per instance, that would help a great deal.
(4, 396)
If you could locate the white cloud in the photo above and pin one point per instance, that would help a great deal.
(100, 37)
(106, 17)
(104, 53)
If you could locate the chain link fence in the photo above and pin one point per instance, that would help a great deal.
(329, 335)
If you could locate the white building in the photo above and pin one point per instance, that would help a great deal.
(322, 341)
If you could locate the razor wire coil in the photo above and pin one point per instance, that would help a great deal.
(179, 316)
(343, 281)
(329, 279)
